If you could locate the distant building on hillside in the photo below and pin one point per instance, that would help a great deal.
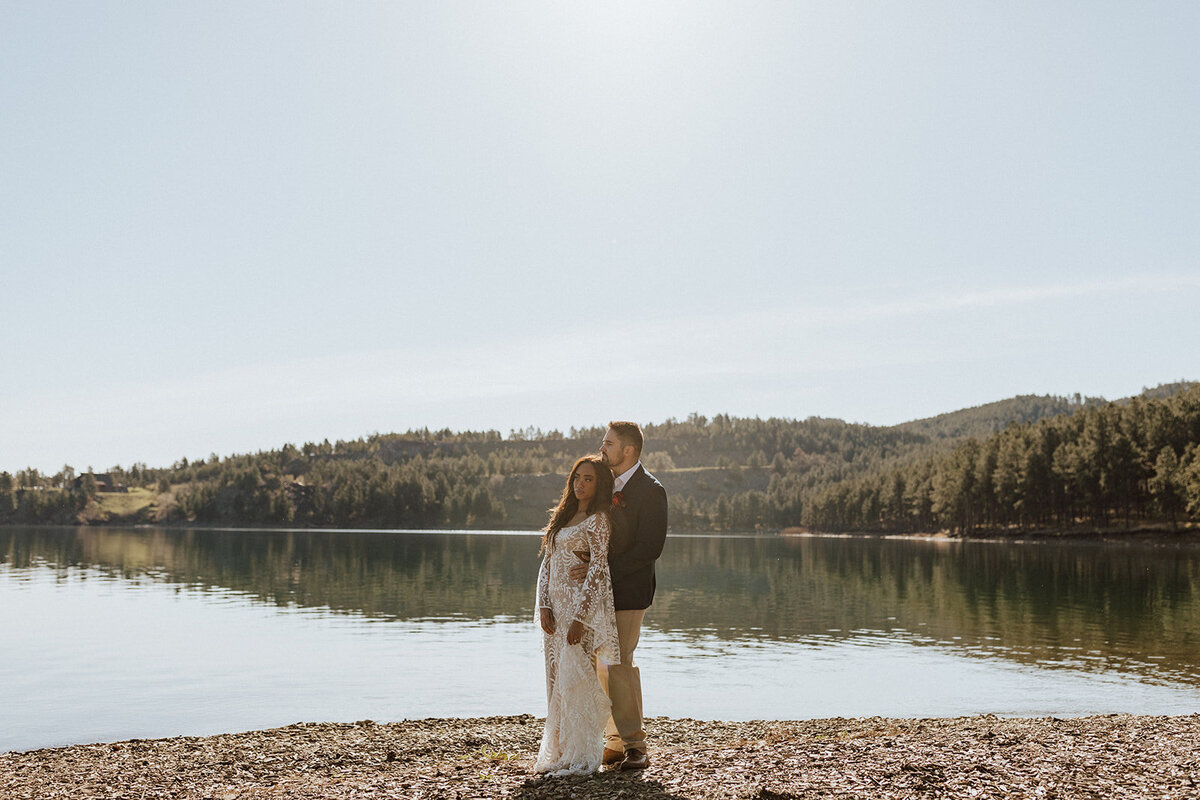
(104, 482)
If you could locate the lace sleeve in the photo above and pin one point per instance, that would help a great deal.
(543, 584)
(595, 598)
(597, 579)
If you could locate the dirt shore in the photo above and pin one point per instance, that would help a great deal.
(1116, 756)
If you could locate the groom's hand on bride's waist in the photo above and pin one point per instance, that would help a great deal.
(579, 571)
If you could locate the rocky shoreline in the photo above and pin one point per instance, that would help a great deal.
(1114, 756)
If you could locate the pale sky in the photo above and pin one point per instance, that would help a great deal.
(225, 226)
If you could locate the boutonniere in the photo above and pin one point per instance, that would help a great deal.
(619, 499)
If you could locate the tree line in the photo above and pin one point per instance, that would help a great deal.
(1025, 462)
(1117, 463)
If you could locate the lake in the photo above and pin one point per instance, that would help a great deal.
(116, 633)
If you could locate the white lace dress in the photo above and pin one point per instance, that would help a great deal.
(578, 709)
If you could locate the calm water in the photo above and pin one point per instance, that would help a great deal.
(121, 633)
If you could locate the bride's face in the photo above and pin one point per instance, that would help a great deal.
(584, 484)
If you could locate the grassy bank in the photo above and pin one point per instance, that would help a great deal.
(136, 505)
(1113, 756)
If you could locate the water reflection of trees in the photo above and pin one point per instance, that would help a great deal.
(403, 576)
(1078, 603)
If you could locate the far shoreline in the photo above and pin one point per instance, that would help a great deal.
(1151, 533)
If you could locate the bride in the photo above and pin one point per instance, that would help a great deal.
(577, 621)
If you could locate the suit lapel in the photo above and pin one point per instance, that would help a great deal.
(637, 473)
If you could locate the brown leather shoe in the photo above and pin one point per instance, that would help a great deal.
(635, 759)
(611, 757)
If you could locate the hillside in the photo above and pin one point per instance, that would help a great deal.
(1128, 464)
(982, 421)
(722, 473)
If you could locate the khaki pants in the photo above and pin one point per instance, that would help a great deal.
(623, 685)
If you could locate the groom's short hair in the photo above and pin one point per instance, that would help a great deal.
(629, 433)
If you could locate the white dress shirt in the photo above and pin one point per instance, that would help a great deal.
(622, 479)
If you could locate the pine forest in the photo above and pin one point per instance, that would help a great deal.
(1030, 463)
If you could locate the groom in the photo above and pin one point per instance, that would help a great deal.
(639, 501)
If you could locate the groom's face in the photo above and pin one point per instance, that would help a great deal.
(615, 454)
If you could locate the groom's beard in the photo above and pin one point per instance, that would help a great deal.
(617, 470)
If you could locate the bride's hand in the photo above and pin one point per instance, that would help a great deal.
(578, 572)
(575, 632)
(548, 621)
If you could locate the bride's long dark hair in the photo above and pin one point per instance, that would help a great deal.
(568, 505)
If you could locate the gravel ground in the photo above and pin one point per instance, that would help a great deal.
(1116, 756)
